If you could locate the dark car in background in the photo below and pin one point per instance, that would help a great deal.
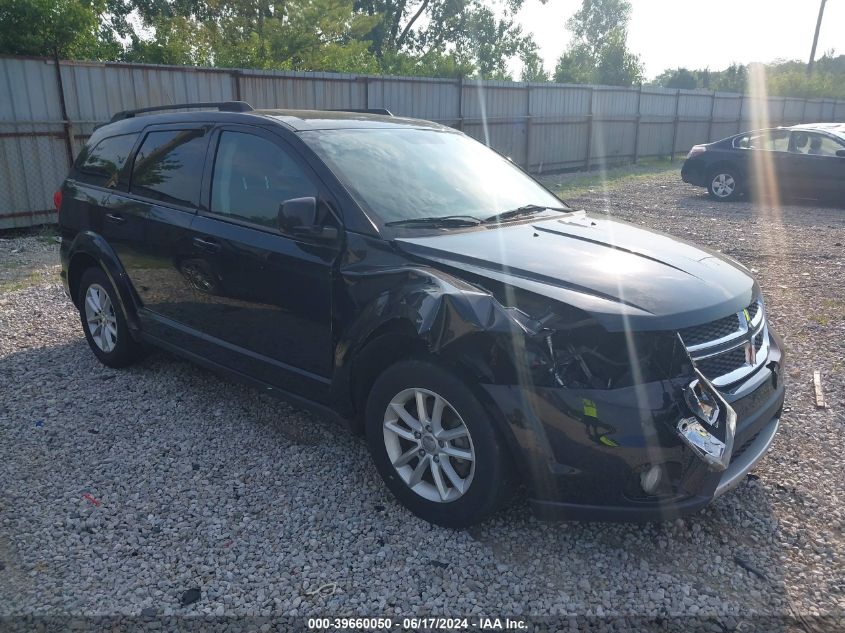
(805, 160)
(402, 277)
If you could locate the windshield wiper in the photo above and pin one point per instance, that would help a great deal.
(528, 209)
(443, 220)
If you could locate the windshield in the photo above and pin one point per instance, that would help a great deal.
(401, 174)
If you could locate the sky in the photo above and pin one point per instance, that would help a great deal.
(701, 34)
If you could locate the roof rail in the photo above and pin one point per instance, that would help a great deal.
(383, 111)
(223, 106)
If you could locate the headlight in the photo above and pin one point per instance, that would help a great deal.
(696, 150)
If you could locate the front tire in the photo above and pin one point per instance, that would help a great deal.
(724, 184)
(434, 445)
(103, 321)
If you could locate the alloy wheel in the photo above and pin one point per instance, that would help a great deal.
(723, 185)
(429, 445)
(101, 319)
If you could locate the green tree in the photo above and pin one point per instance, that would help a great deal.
(733, 79)
(433, 64)
(532, 65)
(478, 33)
(784, 78)
(67, 28)
(598, 52)
(790, 79)
(615, 64)
(293, 35)
(178, 41)
(490, 42)
(596, 19)
(576, 65)
(677, 78)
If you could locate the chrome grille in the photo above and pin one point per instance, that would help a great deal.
(710, 331)
(722, 364)
(721, 348)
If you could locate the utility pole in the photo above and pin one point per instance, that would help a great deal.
(816, 39)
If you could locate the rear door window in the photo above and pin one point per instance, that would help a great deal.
(169, 166)
(253, 177)
(102, 164)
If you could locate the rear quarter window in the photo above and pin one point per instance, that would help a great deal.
(102, 164)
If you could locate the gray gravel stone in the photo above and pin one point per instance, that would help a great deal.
(205, 483)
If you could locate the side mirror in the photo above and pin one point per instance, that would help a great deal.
(840, 153)
(297, 213)
(298, 218)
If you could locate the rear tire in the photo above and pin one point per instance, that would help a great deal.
(724, 184)
(449, 468)
(103, 321)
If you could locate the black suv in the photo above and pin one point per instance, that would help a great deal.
(419, 286)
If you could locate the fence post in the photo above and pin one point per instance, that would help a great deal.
(739, 116)
(712, 116)
(366, 82)
(63, 107)
(783, 112)
(527, 126)
(637, 128)
(804, 111)
(461, 103)
(589, 150)
(236, 84)
(675, 126)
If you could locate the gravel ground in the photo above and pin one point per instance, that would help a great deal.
(126, 489)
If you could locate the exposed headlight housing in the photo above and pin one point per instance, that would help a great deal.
(592, 358)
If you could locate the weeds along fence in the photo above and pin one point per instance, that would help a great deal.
(48, 109)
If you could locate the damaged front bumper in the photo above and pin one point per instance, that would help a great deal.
(711, 415)
(587, 452)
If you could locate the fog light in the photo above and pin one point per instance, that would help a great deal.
(650, 479)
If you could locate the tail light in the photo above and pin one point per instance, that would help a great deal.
(57, 199)
(696, 150)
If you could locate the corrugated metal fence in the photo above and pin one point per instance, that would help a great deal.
(47, 113)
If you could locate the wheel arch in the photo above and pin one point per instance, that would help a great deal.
(90, 250)
(389, 343)
(725, 163)
(396, 341)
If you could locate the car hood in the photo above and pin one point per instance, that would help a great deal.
(623, 275)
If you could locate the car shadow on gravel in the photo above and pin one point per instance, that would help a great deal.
(698, 198)
(168, 449)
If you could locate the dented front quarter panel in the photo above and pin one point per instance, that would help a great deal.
(382, 288)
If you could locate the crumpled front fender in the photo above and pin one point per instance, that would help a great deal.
(451, 317)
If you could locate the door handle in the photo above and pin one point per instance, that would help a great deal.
(115, 218)
(209, 246)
